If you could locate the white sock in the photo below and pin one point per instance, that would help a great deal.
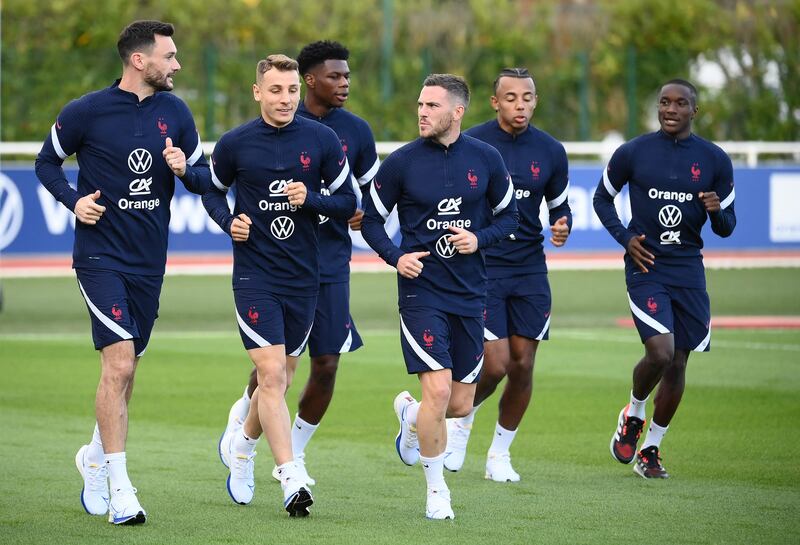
(434, 471)
(502, 439)
(411, 412)
(301, 435)
(655, 434)
(246, 394)
(95, 454)
(116, 464)
(470, 418)
(637, 407)
(242, 444)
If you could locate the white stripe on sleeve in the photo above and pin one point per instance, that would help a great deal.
(728, 200)
(367, 178)
(222, 187)
(198, 151)
(607, 183)
(558, 200)
(57, 143)
(340, 179)
(378, 204)
(506, 199)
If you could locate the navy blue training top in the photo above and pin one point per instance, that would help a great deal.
(335, 245)
(281, 254)
(537, 164)
(119, 143)
(665, 176)
(434, 187)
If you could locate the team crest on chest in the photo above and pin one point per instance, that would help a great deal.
(535, 170)
(695, 172)
(305, 160)
(472, 178)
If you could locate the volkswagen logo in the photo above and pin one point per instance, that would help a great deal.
(670, 216)
(11, 210)
(140, 161)
(282, 227)
(444, 248)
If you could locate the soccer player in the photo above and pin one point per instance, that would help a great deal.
(131, 140)
(677, 180)
(454, 197)
(324, 68)
(278, 162)
(518, 299)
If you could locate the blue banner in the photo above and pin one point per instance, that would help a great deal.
(767, 210)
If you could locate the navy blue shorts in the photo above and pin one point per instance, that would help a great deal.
(433, 339)
(518, 305)
(684, 312)
(121, 306)
(267, 319)
(334, 331)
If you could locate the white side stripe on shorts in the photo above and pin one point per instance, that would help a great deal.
(470, 378)
(302, 344)
(255, 337)
(105, 320)
(642, 315)
(704, 343)
(544, 329)
(488, 335)
(347, 343)
(424, 356)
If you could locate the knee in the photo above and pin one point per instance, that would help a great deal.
(521, 370)
(493, 374)
(459, 407)
(438, 396)
(270, 380)
(323, 370)
(661, 356)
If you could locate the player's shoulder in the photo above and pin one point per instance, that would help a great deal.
(708, 146)
(306, 126)
(483, 130)
(236, 134)
(173, 101)
(544, 138)
(483, 149)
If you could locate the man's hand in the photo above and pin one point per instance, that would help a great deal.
(87, 210)
(559, 232)
(710, 201)
(641, 257)
(355, 221)
(240, 228)
(296, 191)
(465, 241)
(175, 158)
(409, 265)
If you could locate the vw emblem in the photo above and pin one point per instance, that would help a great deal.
(282, 227)
(444, 248)
(670, 216)
(11, 211)
(140, 160)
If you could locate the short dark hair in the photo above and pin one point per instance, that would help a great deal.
(318, 52)
(455, 86)
(140, 35)
(521, 73)
(278, 61)
(688, 85)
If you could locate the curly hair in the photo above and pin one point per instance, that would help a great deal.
(318, 52)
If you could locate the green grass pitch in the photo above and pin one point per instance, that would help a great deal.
(732, 449)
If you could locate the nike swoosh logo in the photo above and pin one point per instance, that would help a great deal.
(342, 161)
(377, 185)
(298, 427)
(58, 124)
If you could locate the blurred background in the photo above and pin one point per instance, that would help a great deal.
(597, 64)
